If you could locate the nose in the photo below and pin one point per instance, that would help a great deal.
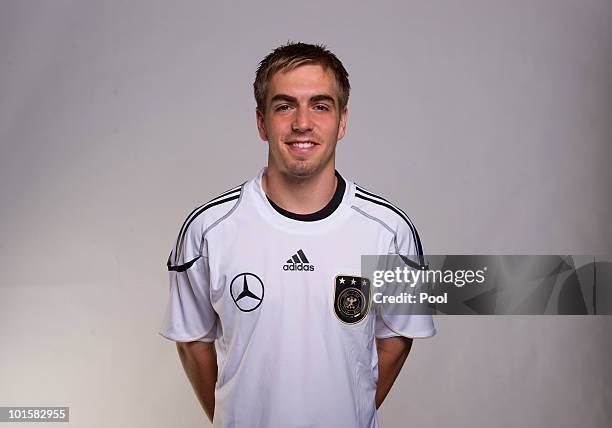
(302, 121)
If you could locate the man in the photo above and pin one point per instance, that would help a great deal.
(272, 320)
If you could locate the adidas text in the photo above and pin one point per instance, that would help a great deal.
(298, 266)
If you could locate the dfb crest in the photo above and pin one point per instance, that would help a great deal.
(351, 298)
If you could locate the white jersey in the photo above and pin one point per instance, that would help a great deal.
(282, 297)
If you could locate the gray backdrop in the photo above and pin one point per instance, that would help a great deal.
(487, 121)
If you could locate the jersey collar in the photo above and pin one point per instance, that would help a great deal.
(335, 212)
(324, 212)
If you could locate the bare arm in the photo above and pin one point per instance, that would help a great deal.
(392, 353)
(200, 363)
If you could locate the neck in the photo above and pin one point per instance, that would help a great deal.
(300, 195)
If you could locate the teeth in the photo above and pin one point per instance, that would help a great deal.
(302, 145)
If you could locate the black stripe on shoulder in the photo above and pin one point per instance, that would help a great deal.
(231, 191)
(385, 202)
(362, 190)
(214, 202)
(403, 215)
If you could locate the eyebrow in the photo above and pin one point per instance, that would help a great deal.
(323, 97)
(314, 98)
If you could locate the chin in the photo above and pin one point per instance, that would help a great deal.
(302, 170)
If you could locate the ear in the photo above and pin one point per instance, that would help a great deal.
(261, 124)
(342, 126)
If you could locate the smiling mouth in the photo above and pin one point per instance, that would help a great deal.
(301, 145)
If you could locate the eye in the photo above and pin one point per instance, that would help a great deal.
(321, 107)
(282, 107)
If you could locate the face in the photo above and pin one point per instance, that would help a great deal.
(302, 121)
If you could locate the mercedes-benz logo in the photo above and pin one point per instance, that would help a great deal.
(247, 293)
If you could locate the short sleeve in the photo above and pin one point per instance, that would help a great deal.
(189, 314)
(382, 331)
(413, 326)
(408, 245)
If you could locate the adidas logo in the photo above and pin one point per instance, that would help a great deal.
(298, 261)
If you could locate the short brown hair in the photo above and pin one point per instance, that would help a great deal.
(293, 55)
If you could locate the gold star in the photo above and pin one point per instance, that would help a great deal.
(353, 282)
